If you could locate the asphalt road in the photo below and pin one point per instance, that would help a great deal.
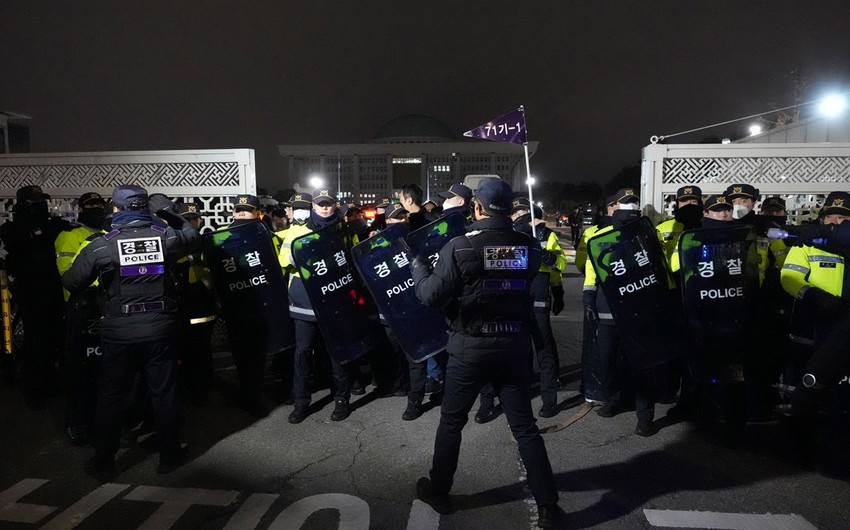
(361, 473)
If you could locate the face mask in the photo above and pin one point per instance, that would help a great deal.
(709, 222)
(739, 211)
(34, 211)
(301, 215)
(780, 220)
(622, 217)
(689, 214)
(92, 217)
(630, 206)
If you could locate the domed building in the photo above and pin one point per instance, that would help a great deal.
(411, 149)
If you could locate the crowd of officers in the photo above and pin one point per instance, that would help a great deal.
(140, 271)
(802, 293)
(135, 277)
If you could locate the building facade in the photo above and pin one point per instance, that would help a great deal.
(410, 149)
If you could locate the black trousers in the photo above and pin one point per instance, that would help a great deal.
(621, 381)
(157, 361)
(43, 335)
(508, 373)
(306, 337)
(547, 356)
(250, 360)
(196, 369)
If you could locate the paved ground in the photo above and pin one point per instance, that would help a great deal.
(360, 473)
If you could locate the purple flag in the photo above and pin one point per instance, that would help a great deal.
(508, 128)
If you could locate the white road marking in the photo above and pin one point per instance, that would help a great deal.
(15, 512)
(175, 502)
(251, 511)
(77, 512)
(422, 517)
(353, 511)
(727, 521)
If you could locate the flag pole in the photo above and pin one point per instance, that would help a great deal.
(528, 183)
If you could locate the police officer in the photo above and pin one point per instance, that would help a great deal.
(489, 341)
(91, 215)
(248, 354)
(618, 378)
(29, 241)
(687, 214)
(198, 307)
(548, 295)
(141, 323)
(592, 385)
(548, 278)
(83, 321)
(815, 277)
(324, 213)
(457, 196)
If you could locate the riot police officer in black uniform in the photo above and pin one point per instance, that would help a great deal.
(141, 323)
(198, 305)
(31, 261)
(482, 281)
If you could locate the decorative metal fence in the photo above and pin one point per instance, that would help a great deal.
(802, 174)
(210, 177)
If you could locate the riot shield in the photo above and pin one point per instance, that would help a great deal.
(383, 264)
(82, 357)
(632, 272)
(720, 284)
(339, 300)
(250, 285)
(428, 240)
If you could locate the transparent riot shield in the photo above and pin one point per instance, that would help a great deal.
(632, 272)
(340, 302)
(427, 241)
(720, 285)
(383, 264)
(250, 285)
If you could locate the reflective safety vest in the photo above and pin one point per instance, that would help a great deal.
(669, 233)
(552, 245)
(68, 244)
(590, 278)
(581, 251)
(806, 267)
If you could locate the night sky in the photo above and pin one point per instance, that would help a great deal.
(597, 78)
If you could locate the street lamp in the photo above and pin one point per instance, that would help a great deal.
(832, 105)
(316, 181)
(755, 129)
(829, 106)
(530, 182)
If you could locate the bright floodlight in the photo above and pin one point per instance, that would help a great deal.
(832, 106)
(540, 204)
(530, 181)
(755, 129)
(316, 181)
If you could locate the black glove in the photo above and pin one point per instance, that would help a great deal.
(419, 269)
(822, 302)
(549, 257)
(589, 301)
(557, 299)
